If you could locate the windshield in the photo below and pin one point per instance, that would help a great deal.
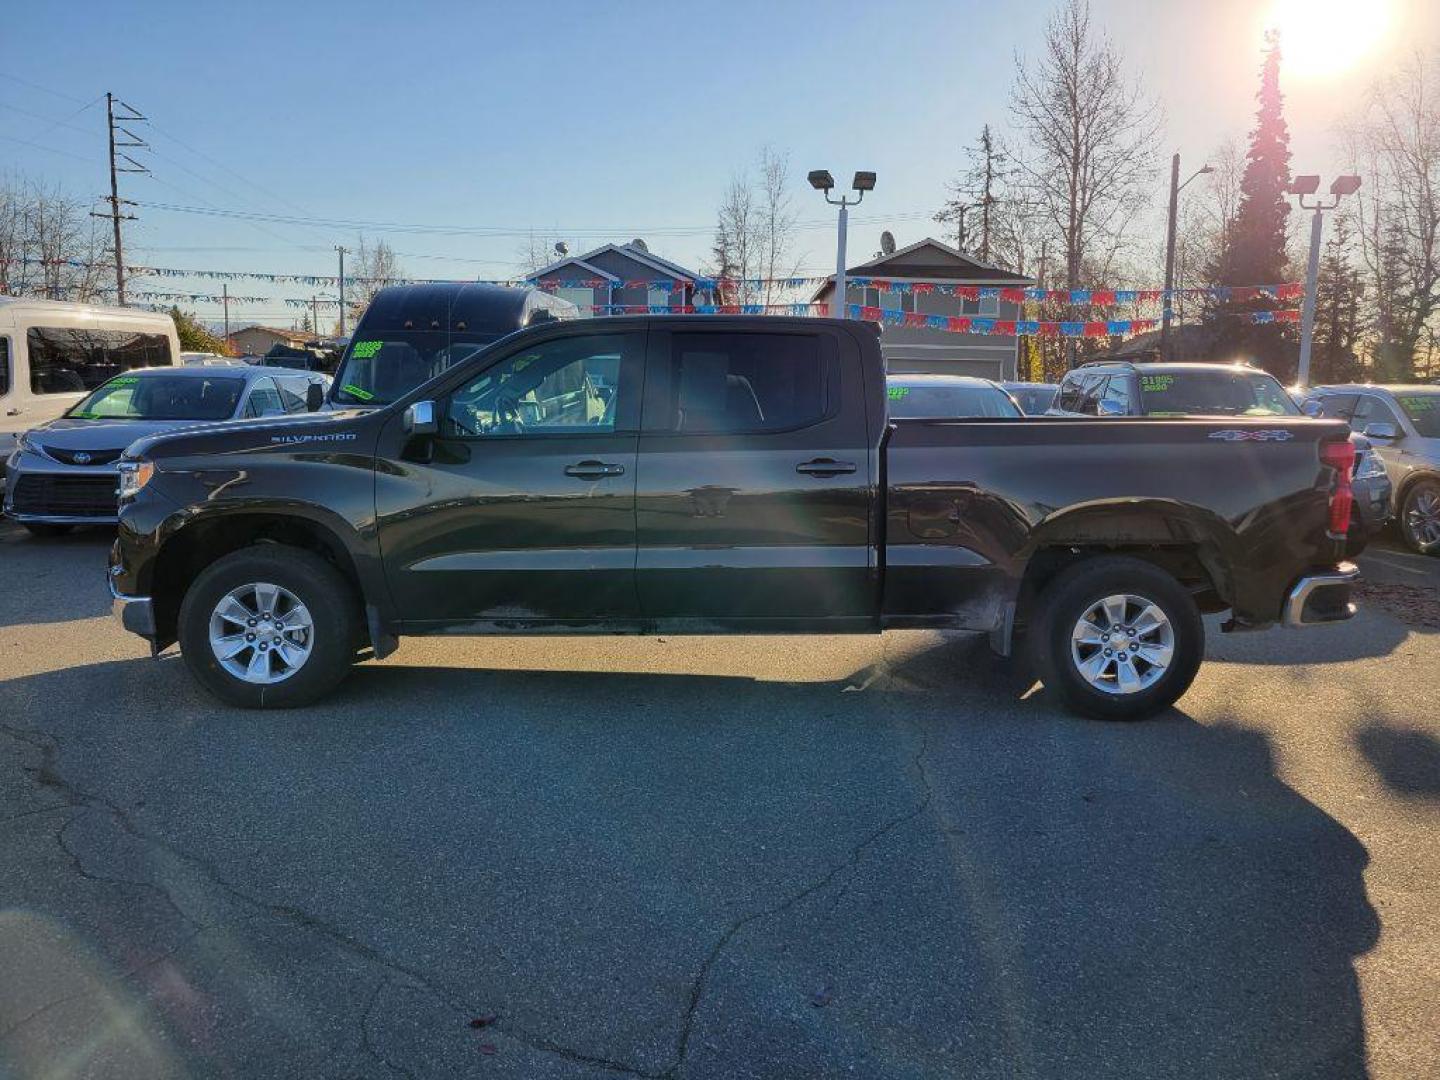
(378, 370)
(939, 402)
(162, 397)
(1423, 409)
(1034, 400)
(1222, 392)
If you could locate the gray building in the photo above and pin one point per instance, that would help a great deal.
(610, 268)
(909, 349)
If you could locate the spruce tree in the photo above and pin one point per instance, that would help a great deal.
(1255, 250)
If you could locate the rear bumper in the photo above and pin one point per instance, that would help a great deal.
(134, 613)
(1321, 597)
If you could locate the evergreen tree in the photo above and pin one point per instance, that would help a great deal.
(193, 335)
(1254, 252)
(1337, 312)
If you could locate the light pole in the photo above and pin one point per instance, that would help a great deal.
(1302, 186)
(821, 180)
(1167, 301)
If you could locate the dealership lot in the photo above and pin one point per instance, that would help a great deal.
(717, 857)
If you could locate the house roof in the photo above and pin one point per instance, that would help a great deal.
(289, 334)
(945, 264)
(665, 267)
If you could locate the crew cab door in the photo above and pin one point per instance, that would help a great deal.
(756, 482)
(521, 509)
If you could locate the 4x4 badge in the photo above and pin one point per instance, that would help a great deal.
(1267, 435)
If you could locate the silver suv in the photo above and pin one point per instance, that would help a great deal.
(1402, 423)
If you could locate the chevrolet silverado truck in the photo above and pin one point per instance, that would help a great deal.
(715, 475)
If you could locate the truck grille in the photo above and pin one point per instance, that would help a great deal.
(92, 457)
(75, 496)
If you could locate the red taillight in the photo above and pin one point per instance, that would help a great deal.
(1340, 456)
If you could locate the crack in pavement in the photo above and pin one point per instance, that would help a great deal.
(48, 775)
(365, 1040)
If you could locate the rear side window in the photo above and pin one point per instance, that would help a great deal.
(734, 384)
(1117, 391)
(4, 365)
(1337, 406)
(1071, 397)
(1094, 390)
(264, 400)
(65, 360)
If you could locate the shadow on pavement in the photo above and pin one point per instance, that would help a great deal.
(968, 883)
(1408, 760)
(38, 575)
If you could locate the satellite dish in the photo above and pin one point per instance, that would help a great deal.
(639, 245)
(887, 243)
(561, 249)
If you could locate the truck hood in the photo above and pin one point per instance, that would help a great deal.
(321, 427)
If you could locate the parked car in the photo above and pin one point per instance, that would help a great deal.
(411, 333)
(1403, 423)
(936, 397)
(53, 353)
(1032, 397)
(744, 477)
(64, 473)
(1197, 389)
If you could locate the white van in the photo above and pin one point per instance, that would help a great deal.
(53, 353)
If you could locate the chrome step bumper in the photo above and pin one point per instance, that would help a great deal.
(1321, 598)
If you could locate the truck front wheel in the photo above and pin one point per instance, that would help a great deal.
(1117, 638)
(269, 626)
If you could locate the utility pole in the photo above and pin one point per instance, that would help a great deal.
(1302, 186)
(341, 250)
(1168, 300)
(132, 166)
(315, 315)
(822, 181)
(225, 300)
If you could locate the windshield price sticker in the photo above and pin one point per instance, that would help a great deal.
(1415, 403)
(364, 350)
(355, 391)
(1154, 384)
(898, 392)
(124, 380)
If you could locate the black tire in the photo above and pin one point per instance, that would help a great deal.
(1075, 592)
(1415, 495)
(334, 610)
(42, 531)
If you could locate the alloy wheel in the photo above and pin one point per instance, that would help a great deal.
(261, 633)
(1122, 644)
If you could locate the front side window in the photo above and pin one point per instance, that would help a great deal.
(1117, 392)
(1094, 390)
(1371, 410)
(1071, 396)
(4, 366)
(731, 384)
(1337, 406)
(1221, 392)
(1423, 409)
(64, 360)
(566, 386)
(162, 397)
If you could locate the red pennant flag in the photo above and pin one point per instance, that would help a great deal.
(914, 319)
(881, 284)
(922, 287)
(1149, 296)
(1097, 329)
(968, 292)
(959, 324)
(1014, 296)
(1290, 291)
(1049, 329)
(1005, 328)
(870, 314)
(1242, 293)
(1103, 298)
(1288, 315)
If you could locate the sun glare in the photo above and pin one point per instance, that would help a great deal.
(1320, 38)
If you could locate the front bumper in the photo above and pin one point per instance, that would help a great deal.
(134, 613)
(1322, 597)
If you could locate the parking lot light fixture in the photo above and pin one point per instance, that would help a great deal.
(821, 180)
(1308, 185)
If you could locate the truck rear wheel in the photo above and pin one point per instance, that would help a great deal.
(1117, 638)
(269, 626)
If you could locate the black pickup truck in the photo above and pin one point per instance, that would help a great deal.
(718, 475)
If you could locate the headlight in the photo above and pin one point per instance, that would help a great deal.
(134, 475)
(25, 444)
(1370, 467)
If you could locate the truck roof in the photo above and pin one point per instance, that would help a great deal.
(455, 306)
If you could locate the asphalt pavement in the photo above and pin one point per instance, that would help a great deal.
(681, 857)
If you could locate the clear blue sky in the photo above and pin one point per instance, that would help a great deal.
(621, 119)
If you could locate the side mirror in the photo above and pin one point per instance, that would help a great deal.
(419, 419)
(1381, 431)
(314, 397)
(1111, 408)
(1311, 409)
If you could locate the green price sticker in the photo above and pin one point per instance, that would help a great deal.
(355, 391)
(1156, 384)
(898, 392)
(83, 415)
(364, 350)
(1415, 403)
(128, 380)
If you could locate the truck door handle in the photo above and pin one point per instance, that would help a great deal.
(825, 467)
(594, 470)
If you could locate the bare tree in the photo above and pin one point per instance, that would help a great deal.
(1092, 134)
(49, 244)
(738, 235)
(375, 266)
(776, 218)
(1395, 145)
(537, 251)
(984, 189)
(755, 232)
